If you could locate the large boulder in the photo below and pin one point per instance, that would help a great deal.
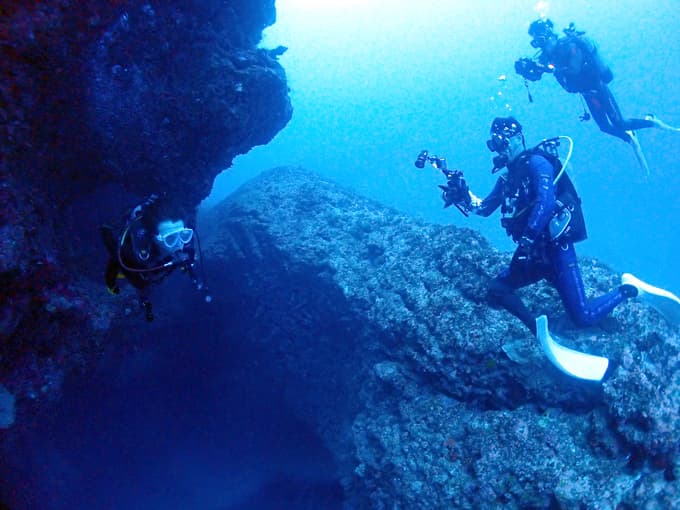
(380, 321)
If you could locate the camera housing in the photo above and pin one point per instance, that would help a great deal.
(456, 191)
(439, 163)
(421, 159)
(529, 69)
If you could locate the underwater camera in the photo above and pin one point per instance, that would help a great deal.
(456, 191)
(421, 159)
(529, 69)
(424, 157)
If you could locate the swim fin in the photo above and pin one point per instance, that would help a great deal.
(665, 302)
(658, 123)
(637, 148)
(574, 363)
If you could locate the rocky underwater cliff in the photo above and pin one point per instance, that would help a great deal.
(428, 397)
(374, 324)
(102, 104)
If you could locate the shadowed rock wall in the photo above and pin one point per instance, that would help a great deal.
(101, 104)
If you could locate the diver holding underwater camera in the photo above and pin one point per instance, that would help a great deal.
(578, 67)
(541, 212)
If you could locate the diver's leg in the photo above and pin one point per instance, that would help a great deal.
(501, 292)
(610, 120)
(635, 124)
(617, 119)
(620, 123)
(606, 113)
(109, 238)
(569, 284)
(111, 275)
(658, 123)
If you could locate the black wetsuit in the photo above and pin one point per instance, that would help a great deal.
(134, 256)
(578, 68)
(529, 199)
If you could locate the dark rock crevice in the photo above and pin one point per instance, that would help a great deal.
(102, 104)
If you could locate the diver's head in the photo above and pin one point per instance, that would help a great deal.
(506, 139)
(172, 236)
(541, 32)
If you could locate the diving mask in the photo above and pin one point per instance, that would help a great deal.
(174, 235)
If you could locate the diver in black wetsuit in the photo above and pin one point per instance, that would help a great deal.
(579, 68)
(542, 213)
(153, 242)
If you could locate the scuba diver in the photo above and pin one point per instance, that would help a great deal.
(542, 214)
(578, 67)
(153, 242)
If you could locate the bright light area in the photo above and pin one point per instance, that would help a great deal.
(374, 82)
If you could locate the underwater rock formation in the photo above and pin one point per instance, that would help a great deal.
(190, 87)
(377, 322)
(103, 103)
(428, 397)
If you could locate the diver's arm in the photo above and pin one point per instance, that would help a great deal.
(189, 267)
(541, 173)
(493, 200)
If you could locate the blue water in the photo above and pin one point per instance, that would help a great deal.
(201, 424)
(374, 82)
(183, 417)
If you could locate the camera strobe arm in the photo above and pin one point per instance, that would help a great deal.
(456, 191)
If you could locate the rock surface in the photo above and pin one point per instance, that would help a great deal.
(376, 322)
(102, 104)
(382, 322)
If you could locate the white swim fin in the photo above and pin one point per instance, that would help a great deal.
(574, 363)
(639, 155)
(658, 123)
(665, 302)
